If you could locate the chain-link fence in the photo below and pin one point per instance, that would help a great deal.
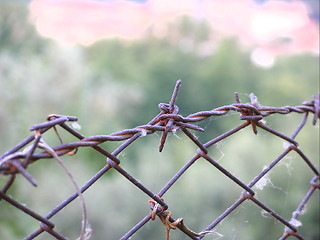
(34, 148)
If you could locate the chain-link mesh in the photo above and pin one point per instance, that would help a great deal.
(16, 161)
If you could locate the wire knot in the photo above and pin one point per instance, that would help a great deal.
(249, 111)
(315, 182)
(169, 109)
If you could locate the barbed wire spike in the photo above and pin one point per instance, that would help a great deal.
(172, 109)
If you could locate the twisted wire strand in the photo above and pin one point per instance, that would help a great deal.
(15, 161)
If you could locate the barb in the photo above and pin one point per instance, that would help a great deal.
(169, 109)
(17, 160)
(169, 223)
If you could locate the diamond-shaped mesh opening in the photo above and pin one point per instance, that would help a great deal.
(221, 185)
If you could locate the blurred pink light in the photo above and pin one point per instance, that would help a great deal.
(84, 21)
(276, 27)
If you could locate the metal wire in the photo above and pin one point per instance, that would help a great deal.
(15, 161)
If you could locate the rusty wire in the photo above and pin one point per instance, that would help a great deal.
(15, 161)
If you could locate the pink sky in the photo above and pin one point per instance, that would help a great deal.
(262, 27)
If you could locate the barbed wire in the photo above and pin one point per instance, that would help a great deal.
(15, 161)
